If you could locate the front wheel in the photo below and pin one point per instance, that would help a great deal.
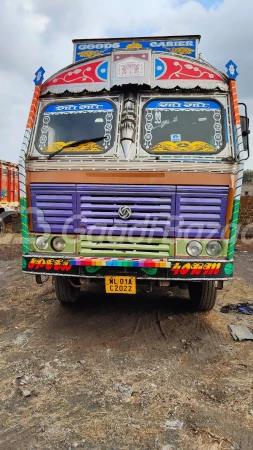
(203, 295)
(67, 289)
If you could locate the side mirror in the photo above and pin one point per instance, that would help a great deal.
(245, 129)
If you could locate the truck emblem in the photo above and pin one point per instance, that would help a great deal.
(125, 212)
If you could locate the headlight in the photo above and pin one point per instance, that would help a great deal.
(194, 248)
(213, 248)
(41, 242)
(58, 244)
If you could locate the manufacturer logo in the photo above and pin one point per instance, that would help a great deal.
(175, 137)
(125, 212)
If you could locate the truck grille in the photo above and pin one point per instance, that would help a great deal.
(152, 209)
(158, 213)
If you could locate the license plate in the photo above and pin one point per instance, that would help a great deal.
(120, 285)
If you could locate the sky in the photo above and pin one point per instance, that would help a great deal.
(36, 33)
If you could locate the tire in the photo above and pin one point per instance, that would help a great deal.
(202, 295)
(66, 292)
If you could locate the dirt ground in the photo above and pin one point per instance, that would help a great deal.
(122, 372)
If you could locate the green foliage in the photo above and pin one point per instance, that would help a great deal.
(248, 176)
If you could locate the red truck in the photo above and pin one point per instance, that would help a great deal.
(9, 193)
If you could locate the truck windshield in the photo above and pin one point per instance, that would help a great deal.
(66, 123)
(182, 126)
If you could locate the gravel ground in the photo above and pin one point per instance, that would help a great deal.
(116, 373)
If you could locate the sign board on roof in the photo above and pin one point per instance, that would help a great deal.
(180, 45)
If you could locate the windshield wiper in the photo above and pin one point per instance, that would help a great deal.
(75, 144)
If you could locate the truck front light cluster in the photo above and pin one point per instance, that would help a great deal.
(213, 248)
(194, 248)
(58, 244)
(41, 242)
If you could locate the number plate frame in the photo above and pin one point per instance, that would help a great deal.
(120, 285)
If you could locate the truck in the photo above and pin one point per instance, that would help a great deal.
(131, 169)
(9, 193)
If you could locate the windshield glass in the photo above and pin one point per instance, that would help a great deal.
(182, 126)
(65, 123)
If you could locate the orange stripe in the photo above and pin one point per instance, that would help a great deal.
(33, 107)
(235, 102)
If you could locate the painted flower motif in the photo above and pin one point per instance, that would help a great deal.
(159, 67)
(231, 69)
(76, 71)
(70, 73)
(188, 66)
(176, 63)
(55, 80)
(103, 70)
(211, 75)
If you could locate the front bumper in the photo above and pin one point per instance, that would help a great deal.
(172, 269)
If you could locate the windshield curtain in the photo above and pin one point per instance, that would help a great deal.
(65, 123)
(182, 126)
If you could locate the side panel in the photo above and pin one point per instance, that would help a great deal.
(54, 208)
(201, 211)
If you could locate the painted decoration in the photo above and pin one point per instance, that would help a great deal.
(151, 267)
(135, 67)
(131, 67)
(177, 105)
(232, 72)
(39, 76)
(22, 171)
(76, 78)
(75, 108)
(181, 46)
(239, 179)
(176, 69)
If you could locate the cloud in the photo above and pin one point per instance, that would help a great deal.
(40, 32)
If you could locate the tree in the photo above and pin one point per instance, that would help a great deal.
(248, 176)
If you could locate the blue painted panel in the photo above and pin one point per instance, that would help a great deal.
(88, 49)
(102, 71)
(78, 107)
(183, 104)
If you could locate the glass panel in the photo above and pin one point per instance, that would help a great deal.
(182, 126)
(66, 123)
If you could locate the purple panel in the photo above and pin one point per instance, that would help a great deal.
(196, 211)
(54, 208)
(152, 209)
(201, 211)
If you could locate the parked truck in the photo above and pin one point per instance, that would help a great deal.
(9, 194)
(131, 169)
